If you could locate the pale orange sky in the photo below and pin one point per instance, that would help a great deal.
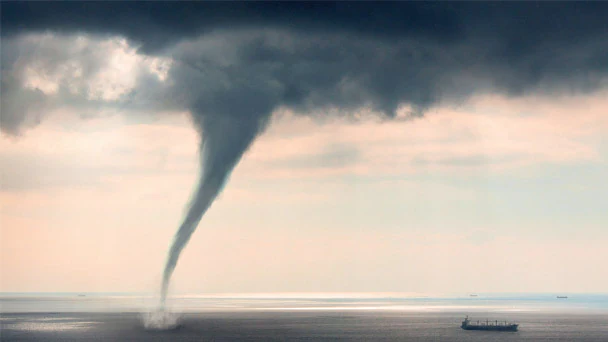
(498, 194)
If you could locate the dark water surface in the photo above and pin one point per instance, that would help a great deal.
(300, 317)
(302, 326)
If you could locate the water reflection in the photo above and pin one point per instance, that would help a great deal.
(46, 324)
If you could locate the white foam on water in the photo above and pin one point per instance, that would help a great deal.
(161, 320)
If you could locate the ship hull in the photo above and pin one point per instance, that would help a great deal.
(511, 328)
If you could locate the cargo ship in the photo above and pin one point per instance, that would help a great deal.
(488, 325)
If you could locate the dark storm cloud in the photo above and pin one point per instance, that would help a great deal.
(156, 24)
(342, 55)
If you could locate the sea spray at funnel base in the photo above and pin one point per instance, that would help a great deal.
(224, 139)
(161, 320)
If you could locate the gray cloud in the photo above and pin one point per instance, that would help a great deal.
(332, 156)
(68, 62)
(21, 107)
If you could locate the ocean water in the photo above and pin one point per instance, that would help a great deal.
(298, 317)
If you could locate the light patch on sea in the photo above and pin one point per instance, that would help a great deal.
(46, 324)
(128, 302)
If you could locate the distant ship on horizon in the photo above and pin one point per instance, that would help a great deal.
(488, 325)
(562, 297)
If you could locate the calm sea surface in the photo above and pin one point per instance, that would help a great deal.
(362, 317)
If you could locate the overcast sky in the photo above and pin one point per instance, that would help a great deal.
(395, 147)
